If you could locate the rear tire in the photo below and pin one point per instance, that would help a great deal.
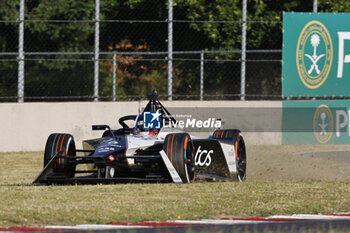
(180, 151)
(64, 145)
(241, 157)
(240, 151)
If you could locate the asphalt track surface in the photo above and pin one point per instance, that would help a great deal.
(337, 222)
(300, 226)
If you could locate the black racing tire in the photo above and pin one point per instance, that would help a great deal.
(65, 145)
(241, 156)
(240, 150)
(180, 151)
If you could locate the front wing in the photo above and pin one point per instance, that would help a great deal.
(214, 160)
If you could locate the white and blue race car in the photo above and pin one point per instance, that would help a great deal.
(141, 154)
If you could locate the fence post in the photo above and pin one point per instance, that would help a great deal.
(243, 56)
(20, 90)
(114, 75)
(202, 76)
(97, 45)
(315, 6)
(170, 49)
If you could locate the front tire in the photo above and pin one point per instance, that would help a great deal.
(64, 145)
(180, 151)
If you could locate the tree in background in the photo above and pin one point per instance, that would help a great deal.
(206, 31)
(8, 43)
(135, 75)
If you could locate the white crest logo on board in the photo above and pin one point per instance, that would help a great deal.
(315, 42)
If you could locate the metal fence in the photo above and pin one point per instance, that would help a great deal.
(36, 65)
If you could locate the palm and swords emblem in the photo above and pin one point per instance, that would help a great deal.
(315, 41)
(323, 125)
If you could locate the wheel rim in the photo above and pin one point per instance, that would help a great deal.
(188, 161)
(242, 160)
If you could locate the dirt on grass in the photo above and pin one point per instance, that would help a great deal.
(280, 181)
(320, 162)
(264, 163)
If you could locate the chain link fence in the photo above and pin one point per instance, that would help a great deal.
(60, 51)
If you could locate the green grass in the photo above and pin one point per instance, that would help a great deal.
(263, 194)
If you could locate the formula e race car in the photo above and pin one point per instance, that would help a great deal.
(145, 154)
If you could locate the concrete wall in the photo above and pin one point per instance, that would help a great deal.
(26, 126)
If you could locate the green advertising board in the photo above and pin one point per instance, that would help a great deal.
(316, 55)
(316, 122)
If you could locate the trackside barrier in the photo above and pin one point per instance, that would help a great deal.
(26, 126)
